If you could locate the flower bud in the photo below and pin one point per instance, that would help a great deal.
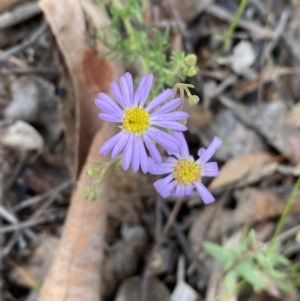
(92, 171)
(192, 71)
(90, 194)
(183, 121)
(191, 59)
(193, 100)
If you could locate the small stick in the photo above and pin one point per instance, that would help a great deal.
(19, 14)
(266, 53)
(1, 240)
(30, 223)
(34, 200)
(26, 70)
(13, 220)
(183, 243)
(286, 40)
(147, 271)
(26, 43)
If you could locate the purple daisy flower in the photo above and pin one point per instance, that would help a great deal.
(185, 173)
(141, 124)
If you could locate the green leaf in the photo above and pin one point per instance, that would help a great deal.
(229, 282)
(217, 251)
(250, 273)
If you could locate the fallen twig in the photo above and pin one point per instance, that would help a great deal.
(19, 14)
(52, 193)
(185, 246)
(11, 218)
(26, 43)
(29, 70)
(34, 222)
(147, 270)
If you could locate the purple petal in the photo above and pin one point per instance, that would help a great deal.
(161, 184)
(110, 118)
(167, 190)
(117, 93)
(171, 116)
(201, 152)
(161, 169)
(179, 191)
(164, 139)
(210, 169)
(139, 90)
(214, 145)
(152, 149)
(127, 154)
(204, 193)
(146, 89)
(167, 94)
(125, 91)
(167, 107)
(135, 154)
(165, 186)
(189, 189)
(175, 154)
(109, 144)
(120, 145)
(171, 160)
(172, 125)
(143, 156)
(184, 149)
(108, 105)
(105, 107)
(129, 81)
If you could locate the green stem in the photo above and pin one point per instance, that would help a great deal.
(129, 30)
(233, 25)
(284, 215)
(105, 167)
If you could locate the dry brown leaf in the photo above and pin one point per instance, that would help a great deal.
(75, 272)
(89, 73)
(292, 117)
(38, 263)
(7, 4)
(237, 168)
(129, 290)
(267, 119)
(268, 75)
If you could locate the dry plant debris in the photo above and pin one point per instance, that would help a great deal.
(242, 59)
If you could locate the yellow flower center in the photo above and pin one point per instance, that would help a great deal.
(187, 172)
(136, 120)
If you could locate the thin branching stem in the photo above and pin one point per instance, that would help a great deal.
(284, 215)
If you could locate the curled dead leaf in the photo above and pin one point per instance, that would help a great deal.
(89, 73)
(237, 168)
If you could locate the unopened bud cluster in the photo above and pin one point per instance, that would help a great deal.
(90, 194)
(191, 61)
